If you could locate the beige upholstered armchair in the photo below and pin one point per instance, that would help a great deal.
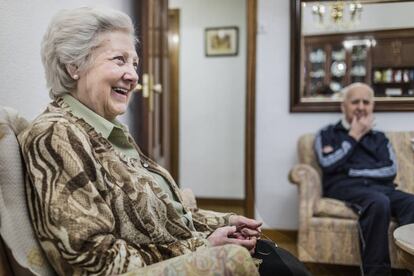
(20, 253)
(327, 227)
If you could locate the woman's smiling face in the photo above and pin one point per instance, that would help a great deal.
(106, 85)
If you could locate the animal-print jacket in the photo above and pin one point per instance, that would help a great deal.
(95, 210)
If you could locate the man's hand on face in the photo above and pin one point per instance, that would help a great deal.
(361, 126)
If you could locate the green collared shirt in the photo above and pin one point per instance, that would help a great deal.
(113, 131)
(116, 133)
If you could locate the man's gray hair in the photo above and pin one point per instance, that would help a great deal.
(71, 37)
(345, 91)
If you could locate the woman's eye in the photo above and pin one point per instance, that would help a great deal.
(135, 64)
(119, 59)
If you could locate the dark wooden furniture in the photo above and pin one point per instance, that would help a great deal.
(393, 63)
(331, 65)
(384, 60)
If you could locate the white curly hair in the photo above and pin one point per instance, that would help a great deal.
(70, 39)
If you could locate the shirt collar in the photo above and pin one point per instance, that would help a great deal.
(101, 125)
(345, 123)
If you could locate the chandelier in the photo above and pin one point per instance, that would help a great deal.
(342, 14)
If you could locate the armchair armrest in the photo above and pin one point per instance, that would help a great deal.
(220, 260)
(310, 188)
(311, 202)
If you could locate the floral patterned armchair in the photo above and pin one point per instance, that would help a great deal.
(327, 227)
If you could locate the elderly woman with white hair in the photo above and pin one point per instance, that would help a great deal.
(98, 205)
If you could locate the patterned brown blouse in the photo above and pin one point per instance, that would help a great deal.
(96, 211)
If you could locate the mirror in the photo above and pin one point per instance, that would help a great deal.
(336, 43)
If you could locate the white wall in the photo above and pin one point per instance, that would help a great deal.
(22, 86)
(212, 101)
(23, 23)
(277, 130)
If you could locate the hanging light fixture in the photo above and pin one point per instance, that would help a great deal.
(355, 9)
(338, 14)
(318, 12)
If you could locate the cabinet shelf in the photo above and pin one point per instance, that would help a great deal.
(388, 65)
(394, 84)
(338, 64)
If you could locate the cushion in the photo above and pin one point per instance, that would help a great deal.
(329, 207)
(15, 227)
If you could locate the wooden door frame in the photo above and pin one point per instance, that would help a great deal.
(139, 105)
(250, 132)
(174, 52)
(150, 122)
(250, 116)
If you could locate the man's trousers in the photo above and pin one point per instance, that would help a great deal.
(375, 204)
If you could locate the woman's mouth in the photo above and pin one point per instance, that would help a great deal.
(120, 90)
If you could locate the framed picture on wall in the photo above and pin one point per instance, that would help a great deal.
(222, 41)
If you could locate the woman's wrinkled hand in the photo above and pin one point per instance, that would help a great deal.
(229, 235)
(246, 227)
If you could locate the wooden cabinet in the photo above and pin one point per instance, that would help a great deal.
(397, 52)
(382, 59)
(331, 65)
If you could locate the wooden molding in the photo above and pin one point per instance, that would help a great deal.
(249, 162)
(250, 134)
(281, 236)
(220, 201)
(174, 52)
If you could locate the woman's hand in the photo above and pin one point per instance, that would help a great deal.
(245, 227)
(228, 235)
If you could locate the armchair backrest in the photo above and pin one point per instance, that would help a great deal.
(22, 250)
(306, 151)
(401, 142)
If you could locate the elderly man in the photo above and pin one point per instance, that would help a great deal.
(359, 167)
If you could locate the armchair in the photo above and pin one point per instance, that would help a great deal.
(21, 254)
(327, 227)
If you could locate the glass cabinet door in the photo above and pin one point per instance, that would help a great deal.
(316, 67)
(338, 69)
(359, 66)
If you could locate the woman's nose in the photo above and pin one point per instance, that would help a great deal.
(131, 74)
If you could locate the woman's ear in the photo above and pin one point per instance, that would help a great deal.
(73, 71)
